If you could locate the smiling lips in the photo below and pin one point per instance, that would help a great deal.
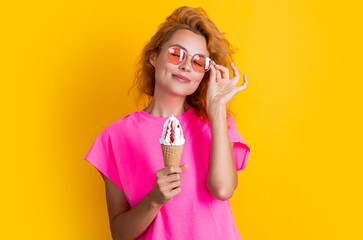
(181, 78)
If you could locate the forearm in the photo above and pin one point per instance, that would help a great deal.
(222, 175)
(134, 222)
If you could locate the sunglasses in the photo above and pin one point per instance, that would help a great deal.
(200, 63)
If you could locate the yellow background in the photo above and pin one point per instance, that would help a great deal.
(65, 69)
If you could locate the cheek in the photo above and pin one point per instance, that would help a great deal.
(161, 70)
(199, 79)
(197, 82)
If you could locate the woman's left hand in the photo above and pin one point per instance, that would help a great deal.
(221, 89)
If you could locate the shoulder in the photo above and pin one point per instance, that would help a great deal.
(123, 124)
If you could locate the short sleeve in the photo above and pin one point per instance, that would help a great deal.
(240, 150)
(102, 158)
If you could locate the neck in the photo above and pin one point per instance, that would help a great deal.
(164, 105)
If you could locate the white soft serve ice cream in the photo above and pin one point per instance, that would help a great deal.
(172, 133)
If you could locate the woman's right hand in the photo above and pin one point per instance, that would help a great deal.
(167, 184)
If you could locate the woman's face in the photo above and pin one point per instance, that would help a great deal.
(165, 71)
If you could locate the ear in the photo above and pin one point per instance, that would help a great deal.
(152, 59)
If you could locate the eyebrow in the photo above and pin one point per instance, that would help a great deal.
(186, 49)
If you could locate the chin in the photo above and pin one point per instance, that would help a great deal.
(183, 92)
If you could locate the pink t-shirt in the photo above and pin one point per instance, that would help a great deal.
(128, 152)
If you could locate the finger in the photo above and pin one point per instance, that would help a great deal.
(233, 92)
(212, 76)
(172, 186)
(184, 167)
(218, 74)
(241, 87)
(225, 71)
(171, 170)
(238, 89)
(236, 76)
(245, 81)
(170, 178)
(174, 177)
(162, 181)
(174, 192)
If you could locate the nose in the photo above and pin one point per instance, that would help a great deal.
(186, 65)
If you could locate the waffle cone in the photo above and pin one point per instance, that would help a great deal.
(172, 155)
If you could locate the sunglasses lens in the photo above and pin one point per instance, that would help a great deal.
(201, 63)
(176, 55)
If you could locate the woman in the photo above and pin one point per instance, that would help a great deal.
(178, 71)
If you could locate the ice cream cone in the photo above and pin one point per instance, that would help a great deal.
(172, 142)
(172, 155)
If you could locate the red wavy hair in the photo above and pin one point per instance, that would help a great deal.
(197, 21)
